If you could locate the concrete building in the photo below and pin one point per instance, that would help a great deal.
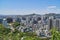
(1, 20)
(5, 22)
(57, 24)
(50, 22)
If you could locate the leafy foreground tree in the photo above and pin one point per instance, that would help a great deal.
(55, 34)
(6, 34)
(15, 24)
(31, 38)
(3, 32)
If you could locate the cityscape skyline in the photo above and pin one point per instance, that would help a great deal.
(29, 20)
(23, 7)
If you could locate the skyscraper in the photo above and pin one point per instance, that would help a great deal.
(5, 22)
(50, 22)
(57, 24)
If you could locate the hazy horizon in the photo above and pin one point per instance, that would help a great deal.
(25, 7)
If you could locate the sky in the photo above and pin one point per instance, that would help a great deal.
(24, 7)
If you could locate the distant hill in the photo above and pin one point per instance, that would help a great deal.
(30, 15)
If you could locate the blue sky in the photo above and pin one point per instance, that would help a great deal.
(23, 7)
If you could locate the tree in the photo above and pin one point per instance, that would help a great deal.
(16, 24)
(55, 34)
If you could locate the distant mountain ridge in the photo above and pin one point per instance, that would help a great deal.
(47, 15)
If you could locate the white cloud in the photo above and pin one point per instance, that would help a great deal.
(51, 6)
(19, 12)
(49, 9)
(53, 9)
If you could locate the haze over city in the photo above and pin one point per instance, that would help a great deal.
(23, 7)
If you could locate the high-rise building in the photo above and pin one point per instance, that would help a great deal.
(53, 23)
(5, 22)
(1, 21)
(57, 23)
(50, 22)
(18, 20)
(9, 20)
